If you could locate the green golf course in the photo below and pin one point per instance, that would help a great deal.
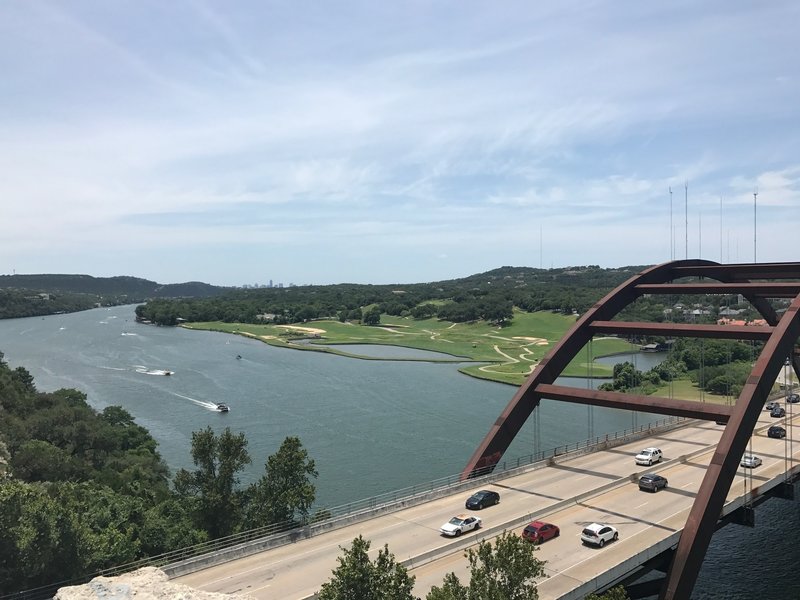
(506, 354)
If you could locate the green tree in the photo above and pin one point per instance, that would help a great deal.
(423, 311)
(506, 570)
(372, 316)
(452, 589)
(358, 578)
(168, 526)
(615, 593)
(212, 487)
(285, 493)
(36, 460)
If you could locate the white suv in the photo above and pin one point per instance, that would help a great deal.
(648, 456)
(598, 534)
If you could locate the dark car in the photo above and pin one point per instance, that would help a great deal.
(776, 431)
(792, 398)
(778, 411)
(539, 531)
(652, 482)
(771, 404)
(482, 499)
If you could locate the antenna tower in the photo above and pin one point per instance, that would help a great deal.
(671, 229)
(755, 197)
(686, 217)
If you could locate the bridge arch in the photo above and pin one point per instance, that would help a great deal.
(758, 283)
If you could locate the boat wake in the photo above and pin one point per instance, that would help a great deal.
(114, 368)
(205, 404)
(128, 333)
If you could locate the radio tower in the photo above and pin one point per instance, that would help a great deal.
(755, 197)
(686, 216)
(671, 229)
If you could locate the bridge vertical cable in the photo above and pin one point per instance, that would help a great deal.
(590, 384)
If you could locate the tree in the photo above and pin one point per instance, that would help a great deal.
(212, 487)
(452, 589)
(357, 577)
(372, 316)
(505, 571)
(168, 526)
(285, 493)
(37, 460)
(615, 593)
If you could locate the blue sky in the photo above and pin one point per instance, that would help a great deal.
(379, 142)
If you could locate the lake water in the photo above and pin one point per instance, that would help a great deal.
(371, 426)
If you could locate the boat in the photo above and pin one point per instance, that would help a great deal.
(238, 357)
(222, 407)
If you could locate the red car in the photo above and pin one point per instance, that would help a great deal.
(539, 532)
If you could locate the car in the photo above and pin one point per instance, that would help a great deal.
(771, 404)
(777, 412)
(539, 531)
(460, 524)
(776, 431)
(792, 398)
(750, 461)
(597, 534)
(482, 499)
(652, 482)
(648, 456)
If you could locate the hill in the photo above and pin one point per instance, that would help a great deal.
(135, 288)
(47, 294)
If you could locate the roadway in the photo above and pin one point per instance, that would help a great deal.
(601, 481)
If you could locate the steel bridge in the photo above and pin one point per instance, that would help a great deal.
(759, 284)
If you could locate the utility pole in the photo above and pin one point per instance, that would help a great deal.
(686, 216)
(671, 229)
(755, 197)
(700, 235)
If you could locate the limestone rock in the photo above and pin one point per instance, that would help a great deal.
(148, 583)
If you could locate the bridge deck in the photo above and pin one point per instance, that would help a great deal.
(595, 487)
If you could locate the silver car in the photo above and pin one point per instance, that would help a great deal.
(750, 461)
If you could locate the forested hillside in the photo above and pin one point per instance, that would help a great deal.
(26, 303)
(134, 288)
(486, 296)
(35, 295)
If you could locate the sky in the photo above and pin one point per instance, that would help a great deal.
(237, 142)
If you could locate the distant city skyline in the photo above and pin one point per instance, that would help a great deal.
(393, 143)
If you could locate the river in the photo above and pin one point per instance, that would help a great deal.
(371, 426)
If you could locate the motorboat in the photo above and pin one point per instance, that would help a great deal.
(222, 407)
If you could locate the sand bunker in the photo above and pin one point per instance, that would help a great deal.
(311, 330)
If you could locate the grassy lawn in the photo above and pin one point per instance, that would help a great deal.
(503, 354)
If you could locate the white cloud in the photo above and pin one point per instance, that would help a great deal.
(426, 127)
